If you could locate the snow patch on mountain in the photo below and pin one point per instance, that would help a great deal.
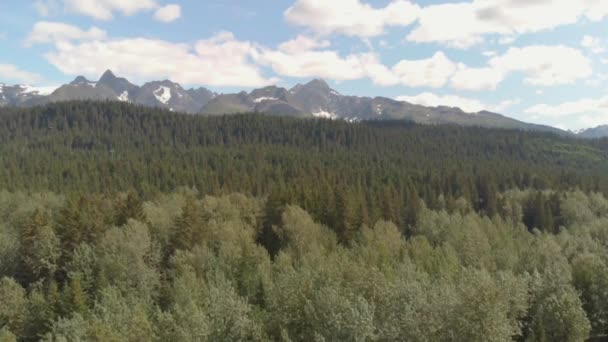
(379, 109)
(264, 98)
(163, 94)
(325, 115)
(124, 97)
(43, 91)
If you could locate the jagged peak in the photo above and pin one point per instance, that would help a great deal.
(108, 73)
(107, 76)
(80, 80)
(318, 83)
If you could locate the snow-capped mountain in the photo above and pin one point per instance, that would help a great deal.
(16, 95)
(317, 99)
(313, 99)
(164, 94)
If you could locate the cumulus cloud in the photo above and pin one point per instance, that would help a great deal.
(468, 105)
(470, 22)
(586, 105)
(221, 60)
(432, 72)
(305, 57)
(52, 32)
(168, 13)
(541, 65)
(593, 44)
(303, 43)
(545, 65)
(584, 113)
(13, 73)
(485, 78)
(350, 17)
(302, 58)
(97, 9)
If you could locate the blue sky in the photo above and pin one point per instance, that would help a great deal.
(542, 61)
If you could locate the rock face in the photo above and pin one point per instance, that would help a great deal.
(164, 94)
(317, 99)
(313, 99)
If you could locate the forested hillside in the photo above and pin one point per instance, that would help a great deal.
(373, 169)
(120, 222)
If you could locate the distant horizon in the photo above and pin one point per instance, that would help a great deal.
(501, 56)
(48, 90)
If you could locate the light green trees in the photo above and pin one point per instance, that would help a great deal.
(555, 312)
(127, 258)
(590, 278)
(40, 247)
(13, 307)
(195, 271)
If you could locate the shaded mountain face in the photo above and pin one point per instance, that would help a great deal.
(20, 95)
(172, 96)
(164, 94)
(313, 99)
(317, 99)
(594, 133)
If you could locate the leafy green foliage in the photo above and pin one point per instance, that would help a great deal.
(166, 227)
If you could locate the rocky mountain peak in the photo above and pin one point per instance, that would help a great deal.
(318, 84)
(80, 80)
(107, 76)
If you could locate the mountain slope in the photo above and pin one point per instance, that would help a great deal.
(317, 99)
(164, 94)
(72, 145)
(313, 99)
(594, 133)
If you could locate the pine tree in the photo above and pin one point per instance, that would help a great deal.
(188, 227)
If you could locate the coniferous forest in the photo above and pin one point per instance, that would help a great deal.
(125, 223)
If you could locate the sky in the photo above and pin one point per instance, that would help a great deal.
(540, 61)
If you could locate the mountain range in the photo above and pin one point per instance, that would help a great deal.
(313, 99)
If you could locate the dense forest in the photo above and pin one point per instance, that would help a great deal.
(120, 222)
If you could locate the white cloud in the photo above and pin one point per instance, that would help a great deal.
(468, 105)
(541, 65)
(13, 73)
(592, 44)
(506, 40)
(97, 9)
(303, 43)
(545, 65)
(583, 113)
(46, 7)
(168, 13)
(574, 107)
(350, 17)
(52, 32)
(432, 72)
(221, 60)
(305, 57)
(470, 22)
(485, 78)
(597, 80)
(306, 61)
